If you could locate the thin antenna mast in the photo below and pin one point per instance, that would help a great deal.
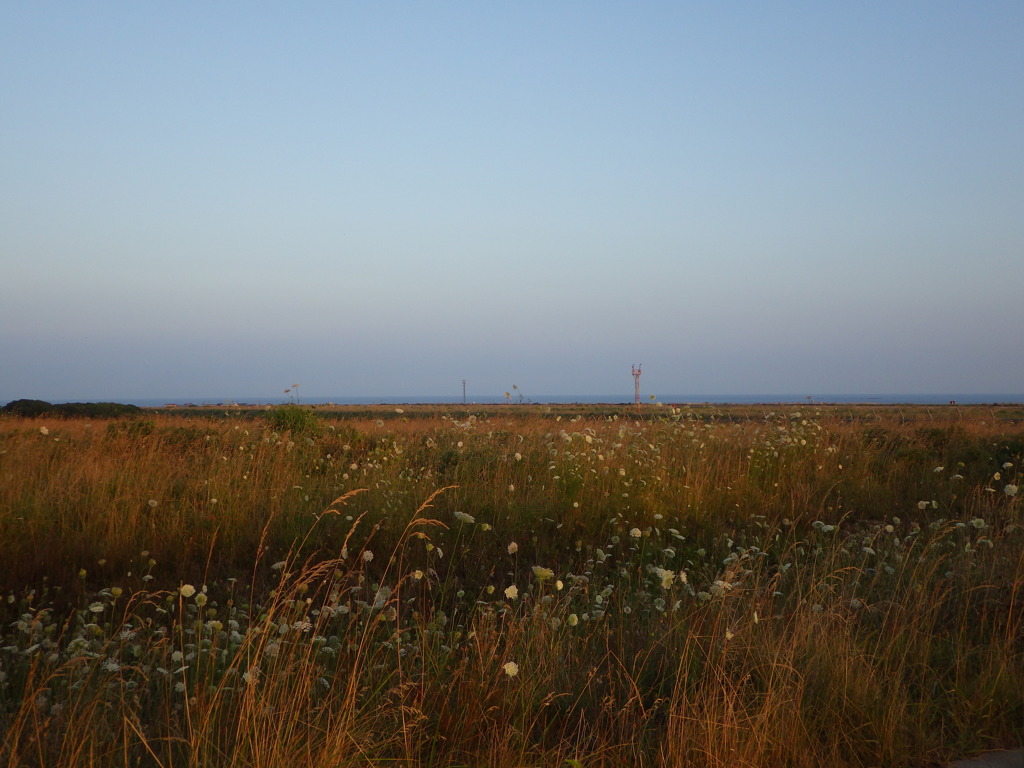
(636, 383)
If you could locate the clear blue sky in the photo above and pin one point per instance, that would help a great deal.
(382, 199)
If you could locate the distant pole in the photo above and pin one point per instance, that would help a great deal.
(463, 391)
(636, 383)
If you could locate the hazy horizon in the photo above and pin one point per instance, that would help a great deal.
(586, 399)
(745, 198)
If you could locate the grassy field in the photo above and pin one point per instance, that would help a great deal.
(514, 585)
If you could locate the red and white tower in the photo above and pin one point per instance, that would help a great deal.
(636, 380)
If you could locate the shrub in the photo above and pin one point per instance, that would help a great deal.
(294, 419)
(33, 408)
(28, 408)
(98, 410)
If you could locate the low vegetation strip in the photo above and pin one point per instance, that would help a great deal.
(92, 410)
(520, 586)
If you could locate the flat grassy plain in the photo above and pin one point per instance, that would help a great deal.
(512, 585)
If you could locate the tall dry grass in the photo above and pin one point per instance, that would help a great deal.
(432, 587)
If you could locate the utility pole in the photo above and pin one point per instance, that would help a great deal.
(636, 383)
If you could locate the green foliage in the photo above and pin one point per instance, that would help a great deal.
(294, 419)
(98, 410)
(28, 408)
(34, 408)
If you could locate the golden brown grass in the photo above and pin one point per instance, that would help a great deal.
(728, 586)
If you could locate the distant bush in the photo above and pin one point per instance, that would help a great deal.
(110, 410)
(294, 419)
(33, 408)
(28, 408)
(137, 428)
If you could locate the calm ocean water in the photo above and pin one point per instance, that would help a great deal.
(875, 399)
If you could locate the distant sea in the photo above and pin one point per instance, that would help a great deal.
(870, 399)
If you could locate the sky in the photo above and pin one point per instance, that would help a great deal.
(219, 200)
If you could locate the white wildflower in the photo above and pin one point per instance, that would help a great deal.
(665, 576)
(719, 588)
(543, 574)
(381, 598)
